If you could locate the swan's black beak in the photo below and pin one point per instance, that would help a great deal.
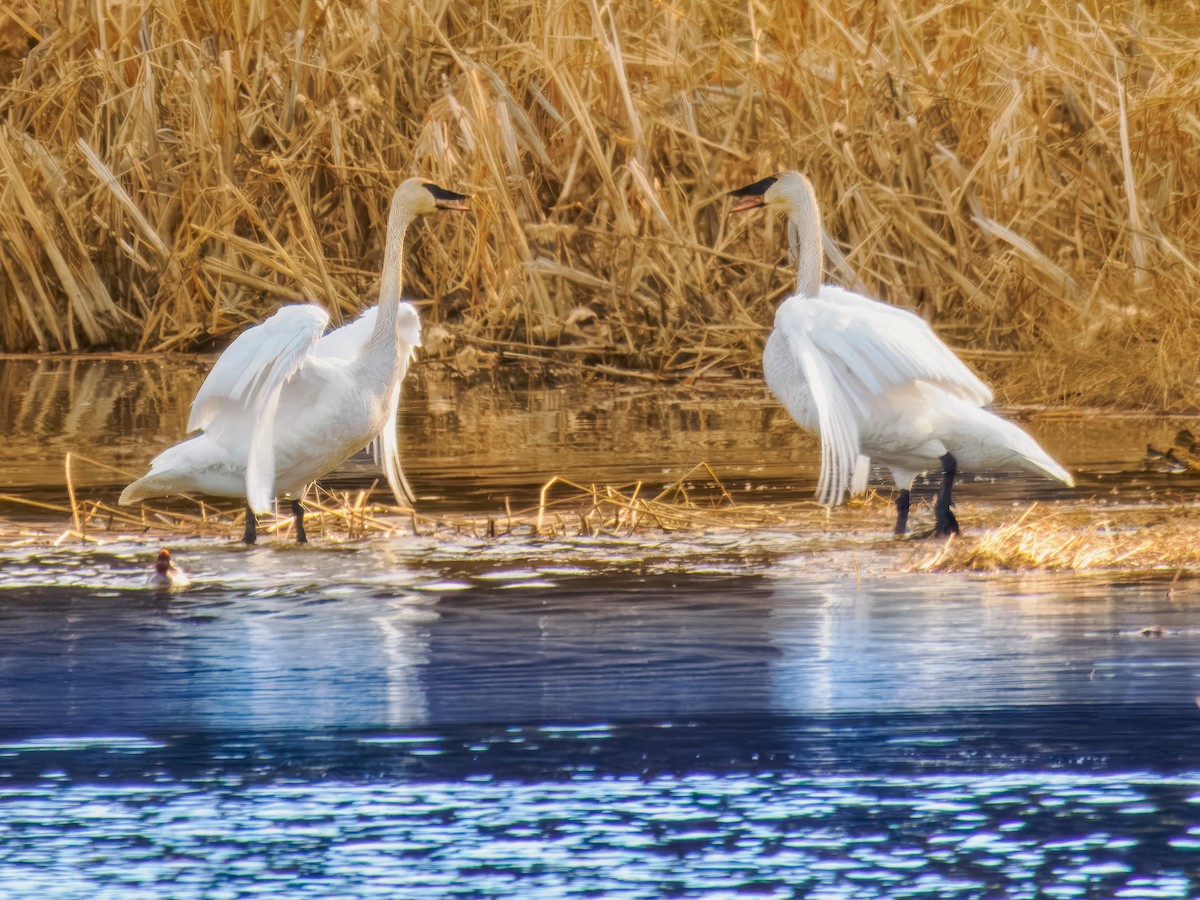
(752, 195)
(444, 199)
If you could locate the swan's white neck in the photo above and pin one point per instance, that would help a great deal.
(392, 280)
(379, 359)
(804, 238)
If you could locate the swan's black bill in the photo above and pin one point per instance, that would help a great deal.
(444, 199)
(751, 195)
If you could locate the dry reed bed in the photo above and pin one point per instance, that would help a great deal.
(696, 501)
(1076, 536)
(1018, 172)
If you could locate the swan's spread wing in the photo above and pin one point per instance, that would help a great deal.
(258, 356)
(883, 346)
(243, 389)
(347, 342)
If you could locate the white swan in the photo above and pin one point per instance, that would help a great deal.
(283, 405)
(875, 381)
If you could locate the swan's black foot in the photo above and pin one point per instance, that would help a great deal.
(298, 512)
(903, 502)
(250, 535)
(946, 524)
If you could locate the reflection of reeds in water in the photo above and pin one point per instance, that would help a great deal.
(120, 410)
(1017, 172)
(90, 399)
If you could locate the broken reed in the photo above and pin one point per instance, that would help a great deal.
(1022, 174)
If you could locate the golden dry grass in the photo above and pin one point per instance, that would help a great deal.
(1061, 537)
(1020, 173)
(696, 501)
(1080, 536)
(1076, 539)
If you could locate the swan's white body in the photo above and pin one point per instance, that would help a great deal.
(283, 405)
(874, 380)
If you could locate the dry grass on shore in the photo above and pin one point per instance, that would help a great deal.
(1075, 539)
(1063, 537)
(1019, 173)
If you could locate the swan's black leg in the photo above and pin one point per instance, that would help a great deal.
(250, 535)
(946, 523)
(298, 512)
(903, 502)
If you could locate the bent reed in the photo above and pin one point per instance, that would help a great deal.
(1023, 176)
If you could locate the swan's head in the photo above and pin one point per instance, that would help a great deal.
(792, 194)
(422, 197)
(786, 191)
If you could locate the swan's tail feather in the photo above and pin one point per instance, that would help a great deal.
(1029, 455)
(138, 490)
(1045, 465)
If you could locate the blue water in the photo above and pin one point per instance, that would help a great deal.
(709, 717)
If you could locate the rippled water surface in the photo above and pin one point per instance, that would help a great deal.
(660, 716)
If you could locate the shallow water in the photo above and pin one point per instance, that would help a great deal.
(690, 716)
(471, 447)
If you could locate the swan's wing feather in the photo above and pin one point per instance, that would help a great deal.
(862, 474)
(259, 357)
(347, 342)
(836, 420)
(242, 390)
(883, 345)
(260, 461)
(385, 448)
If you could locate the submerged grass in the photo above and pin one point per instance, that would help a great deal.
(1019, 173)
